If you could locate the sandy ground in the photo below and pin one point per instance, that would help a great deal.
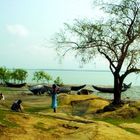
(60, 126)
(74, 119)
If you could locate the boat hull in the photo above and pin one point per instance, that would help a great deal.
(76, 88)
(8, 84)
(106, 90)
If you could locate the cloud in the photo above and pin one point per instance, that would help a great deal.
(18, 30)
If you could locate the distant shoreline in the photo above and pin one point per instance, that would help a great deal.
(83, 76)
(51, 69)
(84, 70)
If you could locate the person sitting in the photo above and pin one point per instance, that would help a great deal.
(2, 97)
(16, 106)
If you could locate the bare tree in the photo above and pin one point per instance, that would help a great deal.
(117, 39)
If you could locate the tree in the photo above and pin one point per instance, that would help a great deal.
(18, 75)
(58, 81)
(4, 75)
(117, 39)
(41, 76)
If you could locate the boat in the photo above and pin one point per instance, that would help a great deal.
(8, 84)
(110, 90)
(85, 91)
(64, 90)
(39, 89)
(127, 86)
(76, 88)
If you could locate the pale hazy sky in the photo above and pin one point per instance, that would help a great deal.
(26, 26)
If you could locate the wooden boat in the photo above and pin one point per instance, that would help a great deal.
(76, 88)
(85, 91)
(8, 84)
(127, 86)
(107, 90)
(64, 89)
(39, 89)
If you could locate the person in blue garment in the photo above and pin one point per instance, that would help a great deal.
(54, 92)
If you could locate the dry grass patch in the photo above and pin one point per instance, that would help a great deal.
(38, 123)
(124, 112)
(81, 105)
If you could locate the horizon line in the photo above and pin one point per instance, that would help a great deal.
(55, 69)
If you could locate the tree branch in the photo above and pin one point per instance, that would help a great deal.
(127, 72)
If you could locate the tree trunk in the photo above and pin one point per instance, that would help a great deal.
(117, 90)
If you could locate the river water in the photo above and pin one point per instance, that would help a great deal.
(91, 77)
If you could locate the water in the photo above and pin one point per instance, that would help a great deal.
(85, 77)
(89, 77)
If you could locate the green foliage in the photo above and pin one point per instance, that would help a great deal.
(16, 75)
(41, 76)
(116, 38)
(58, 81)
(4, 75)
(19, 75)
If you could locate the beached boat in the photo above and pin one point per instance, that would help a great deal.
(61, 89)
(64, 90)
(76, 88)
(84, 91)
(109, 90)
(127, 86)
(39, 89)
(8, 84)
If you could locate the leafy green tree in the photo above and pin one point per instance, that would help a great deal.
(116, 38)
(58, 81)
(18, 75)
(48, 77)
(41, 76)
(3, 74)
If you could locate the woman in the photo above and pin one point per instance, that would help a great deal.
(55, 90)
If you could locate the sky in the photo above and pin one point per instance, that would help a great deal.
(27, 26)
